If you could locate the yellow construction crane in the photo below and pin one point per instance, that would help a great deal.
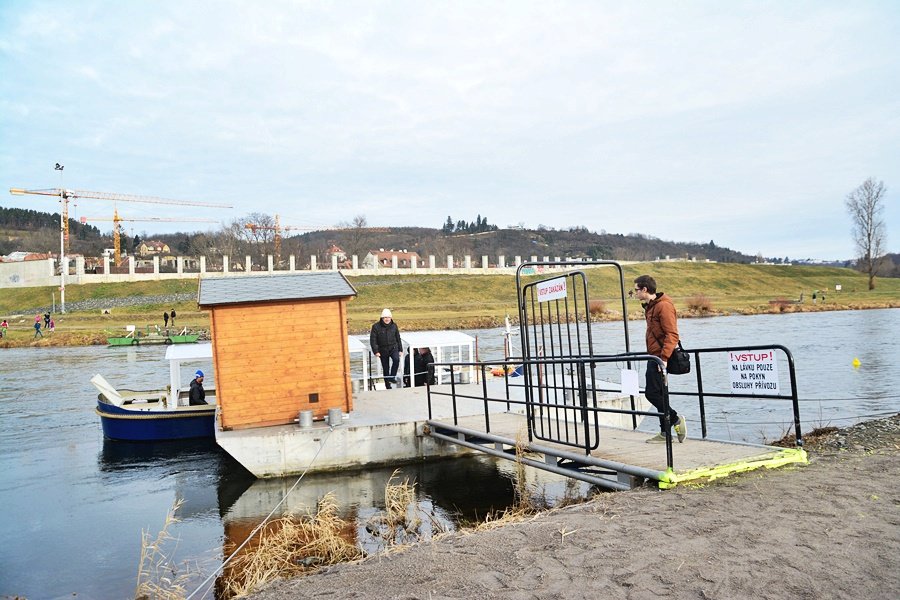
(117, 228)
(65, 195)
(277, 228)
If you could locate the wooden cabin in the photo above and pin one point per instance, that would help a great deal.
(279, 346)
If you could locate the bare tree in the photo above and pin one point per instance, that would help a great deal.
(866, 205)
(356, 236)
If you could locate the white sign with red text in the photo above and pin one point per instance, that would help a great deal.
(753, 372)
(552, 289)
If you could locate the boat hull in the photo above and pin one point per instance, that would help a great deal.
(190, 338)
(156, 425)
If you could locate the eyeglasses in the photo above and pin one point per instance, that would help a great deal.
(637, 289)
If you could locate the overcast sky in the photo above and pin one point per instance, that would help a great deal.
(746, 123)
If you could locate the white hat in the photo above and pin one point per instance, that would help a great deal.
(386, 313)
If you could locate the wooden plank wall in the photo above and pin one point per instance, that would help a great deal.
(269, 358)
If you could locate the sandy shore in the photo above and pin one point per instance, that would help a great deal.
(830, 529)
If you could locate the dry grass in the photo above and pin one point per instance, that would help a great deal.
(401, 523)
(699, 303)
(289, 547)
(158, 577)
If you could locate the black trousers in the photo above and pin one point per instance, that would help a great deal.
(390, 361)
(654, 393)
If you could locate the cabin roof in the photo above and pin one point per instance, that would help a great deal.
(269, 288)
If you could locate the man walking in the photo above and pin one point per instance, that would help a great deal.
(662, 339)
(386, 345)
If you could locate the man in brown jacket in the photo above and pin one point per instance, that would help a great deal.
(662, 338)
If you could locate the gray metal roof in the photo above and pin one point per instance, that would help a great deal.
(270, 288)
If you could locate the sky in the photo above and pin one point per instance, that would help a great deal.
(744, 123)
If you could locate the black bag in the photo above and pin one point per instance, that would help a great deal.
(680, 362)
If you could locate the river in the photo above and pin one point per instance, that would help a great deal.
(74, 506)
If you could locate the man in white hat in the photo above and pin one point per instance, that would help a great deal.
(197, 395)
(386, 345)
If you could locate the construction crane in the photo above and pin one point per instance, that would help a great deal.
(117, 228)
(277, 228)
(65, 195)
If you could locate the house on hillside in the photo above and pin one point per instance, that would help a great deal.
(335, 250)
(383, 259)
(20, 256)
(152, 248)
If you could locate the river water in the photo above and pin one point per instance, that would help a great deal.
(74, 506)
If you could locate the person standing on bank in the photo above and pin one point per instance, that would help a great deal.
(662, 339)
(172, 317)
(197, 395)
(165, 319)
(386, 345)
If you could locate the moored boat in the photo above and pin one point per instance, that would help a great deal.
(159, 414)
(153, 336)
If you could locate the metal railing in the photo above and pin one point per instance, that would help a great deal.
(702, 394)
(561, 410)
(566, 410)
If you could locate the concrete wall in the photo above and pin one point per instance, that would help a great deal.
(41, 273)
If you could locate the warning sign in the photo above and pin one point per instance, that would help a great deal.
(552, 289)
(754, 372)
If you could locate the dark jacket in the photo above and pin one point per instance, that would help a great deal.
(384, 338)
(662, 326)
(423, 369)
(198, 394)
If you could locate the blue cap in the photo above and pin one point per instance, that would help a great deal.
(199, 373)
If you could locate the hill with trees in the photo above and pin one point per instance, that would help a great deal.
(31, 230)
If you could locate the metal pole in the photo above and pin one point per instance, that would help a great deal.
(63, 266)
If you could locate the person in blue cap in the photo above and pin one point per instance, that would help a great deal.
(197, 395)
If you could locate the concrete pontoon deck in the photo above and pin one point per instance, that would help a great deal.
(393, 426)
(622, 460)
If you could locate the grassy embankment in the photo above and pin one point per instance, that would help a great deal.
(468, 301)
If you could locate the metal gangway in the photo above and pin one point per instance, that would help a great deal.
(564, 406)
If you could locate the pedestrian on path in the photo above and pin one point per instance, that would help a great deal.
(165, 319)
(37, 328)
(662, 339)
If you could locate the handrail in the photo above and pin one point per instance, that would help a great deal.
(586, 404)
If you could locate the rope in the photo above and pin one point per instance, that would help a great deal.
(264, 521)
(152, 416)
(851, 418)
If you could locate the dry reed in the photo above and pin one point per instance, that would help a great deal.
(401, 523)
(597, 307)
(289, 547)
(157, 575)
(699, 303)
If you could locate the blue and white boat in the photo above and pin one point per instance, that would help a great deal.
(161, 414)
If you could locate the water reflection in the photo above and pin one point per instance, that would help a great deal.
(448, 492)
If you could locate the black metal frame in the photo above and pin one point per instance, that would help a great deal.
(701, 394)
(560, 389)
(553, 329)
(583, 415)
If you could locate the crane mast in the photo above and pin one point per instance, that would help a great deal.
(65, 195)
